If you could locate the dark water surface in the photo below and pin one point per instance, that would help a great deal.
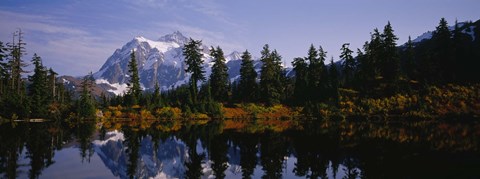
(240, 149)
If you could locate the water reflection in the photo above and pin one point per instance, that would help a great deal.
(240, 149)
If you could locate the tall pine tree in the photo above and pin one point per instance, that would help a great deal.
(441, 60)
(219, 77)
(301, 80)
(390, 65)
(3, 70)
(348, 63)
(194, 61)
(86, 103)
(134, 87)
(156, 97)
(270, 77)
(333, 73)
(38, 89)
(248, 76)
(409, 67)
(316, 73)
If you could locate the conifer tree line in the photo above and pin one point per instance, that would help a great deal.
(380, 68)
(36, 94)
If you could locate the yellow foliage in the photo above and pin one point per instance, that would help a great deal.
(235, 113)
(146, 114)
(169, 113)
(107, 114)
(200, 116)
(118, 114)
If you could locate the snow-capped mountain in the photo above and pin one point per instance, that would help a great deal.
(465, 27)
(159, 61)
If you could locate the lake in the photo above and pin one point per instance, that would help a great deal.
(240, 149)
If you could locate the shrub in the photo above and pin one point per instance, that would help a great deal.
(146, 114)
(235, 113)
(169, 113)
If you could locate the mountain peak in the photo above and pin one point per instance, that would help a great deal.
(174, 37)
(140, 38)
(235, 55)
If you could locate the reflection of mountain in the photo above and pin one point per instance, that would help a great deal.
(165, 162)
(234, 159)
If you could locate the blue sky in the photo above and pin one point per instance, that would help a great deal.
(77, 36)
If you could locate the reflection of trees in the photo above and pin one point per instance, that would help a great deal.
(315, 149)
(350, 169)
(312, 160)
(194, 165)
(11, 148)
(84, 132)
(40, 147)
(248, 152)
(132, 141)
(40, 141)
(190, 134)
(370, 150)
(273, 149)
(218, 154)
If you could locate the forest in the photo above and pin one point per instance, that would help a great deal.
(432, 79)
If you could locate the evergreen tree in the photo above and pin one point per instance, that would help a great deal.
(16, 101)
(333, 73)
(442, 60)
(38, 89)
(373, 54)
(457, 54)
(194, 61)
(219, 77)
(316, 73)
(359, 70)
(86, 103)
(390, 62)
(105, 102)
(313, 69)
(348, 62)
(16, 64)
(301, 80)
(3, 70)
(248, 76)
(410, 62)
(52, 85)
(280, 79)
(270, 76)
(156, 97)
(134, 84)
(367, 63)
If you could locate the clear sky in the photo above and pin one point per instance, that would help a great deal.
(77, 36)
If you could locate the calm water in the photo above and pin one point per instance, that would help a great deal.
(239, 149)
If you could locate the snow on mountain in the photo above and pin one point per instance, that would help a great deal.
(233, 56)
(117, 89)
(470, 31)
(159, 61)
(462, 25)
(424, 36)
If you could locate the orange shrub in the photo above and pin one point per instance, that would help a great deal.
(235, 124)
(235, 113)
